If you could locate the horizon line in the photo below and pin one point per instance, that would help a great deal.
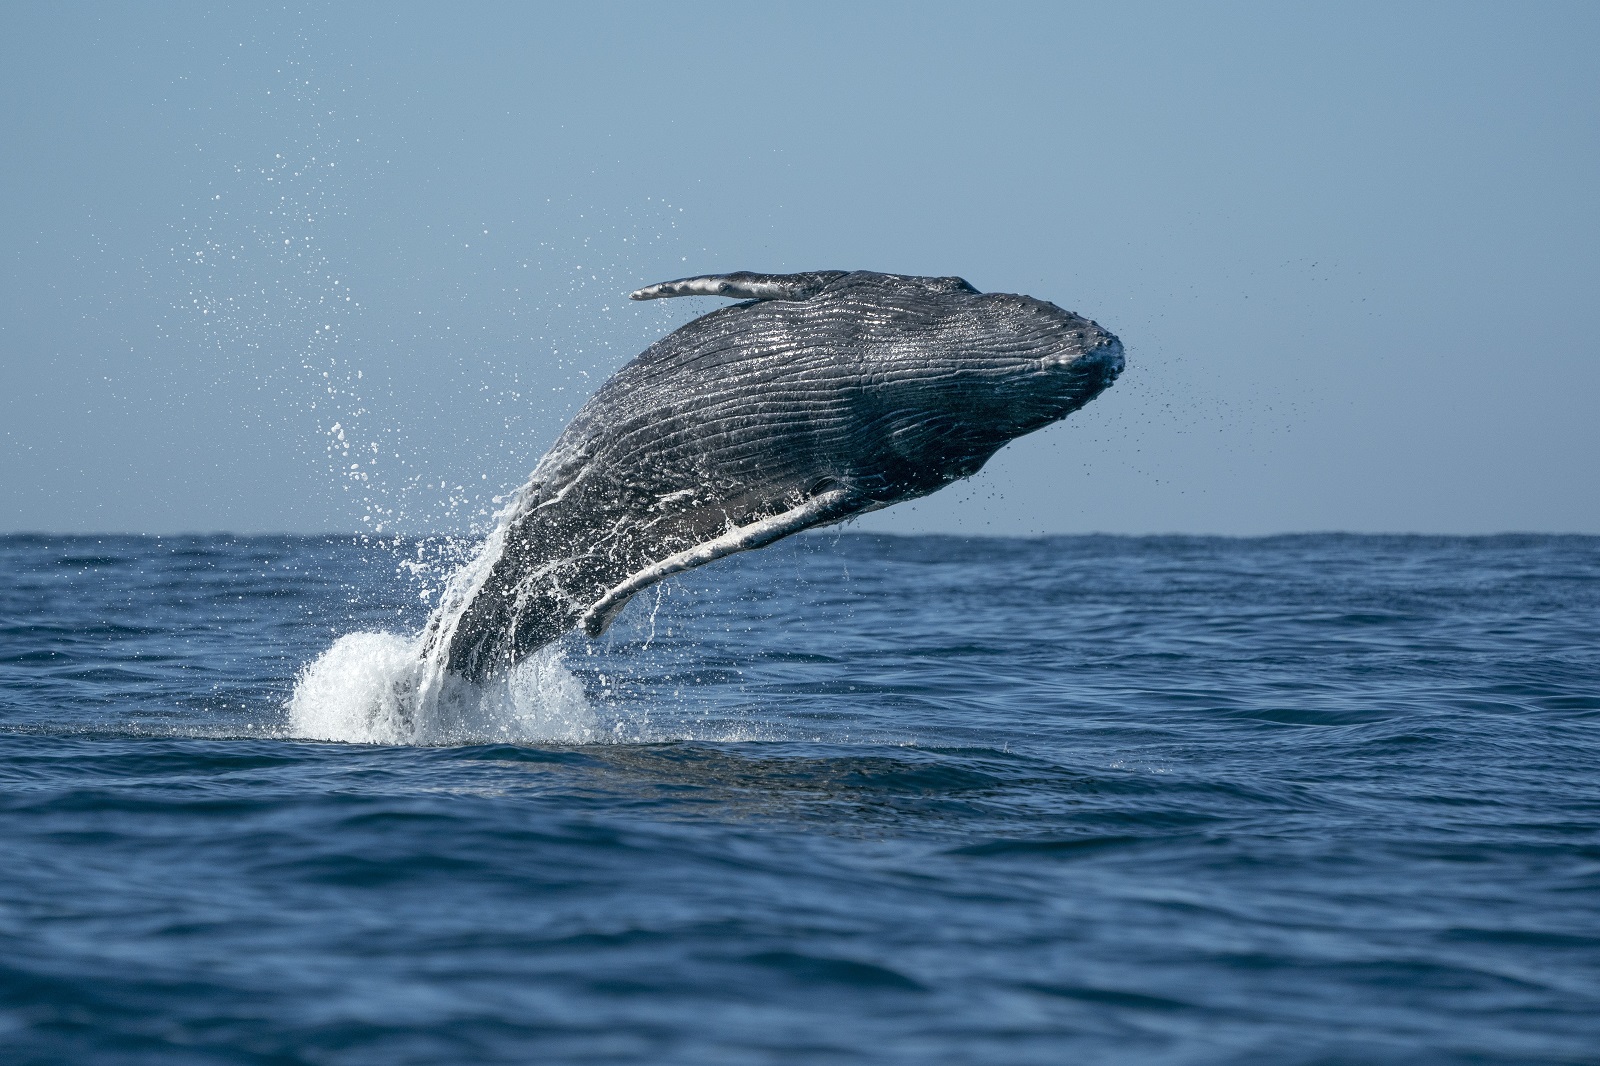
(823, 532)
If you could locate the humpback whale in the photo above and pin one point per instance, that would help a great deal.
(817, 397)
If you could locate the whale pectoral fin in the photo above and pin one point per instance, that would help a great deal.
(597, 624)
(743, 285)
(830, 506)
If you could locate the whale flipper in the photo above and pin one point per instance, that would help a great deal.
(598, 624)
(743, 285)
(825, 507)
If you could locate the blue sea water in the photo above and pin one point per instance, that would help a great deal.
(850, 799)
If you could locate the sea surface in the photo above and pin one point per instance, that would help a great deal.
(849, 799)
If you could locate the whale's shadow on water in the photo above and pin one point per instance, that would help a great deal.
(854, 788)
(947, 797)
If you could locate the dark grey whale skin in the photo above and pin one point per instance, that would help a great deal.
(823, 396)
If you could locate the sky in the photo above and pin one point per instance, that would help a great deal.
(353, 267)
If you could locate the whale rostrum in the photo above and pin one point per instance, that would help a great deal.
(824, 395)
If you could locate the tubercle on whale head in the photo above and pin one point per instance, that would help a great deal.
(1085, 374)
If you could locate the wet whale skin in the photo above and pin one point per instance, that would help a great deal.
(821, 396)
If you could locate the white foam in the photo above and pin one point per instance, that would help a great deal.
(367, 689)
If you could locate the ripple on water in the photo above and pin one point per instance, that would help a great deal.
(854, 799)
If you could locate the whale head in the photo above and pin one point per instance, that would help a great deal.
(962, 373)
(937, 375)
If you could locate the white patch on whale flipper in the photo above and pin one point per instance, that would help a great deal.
(819, 508)
(597, 625)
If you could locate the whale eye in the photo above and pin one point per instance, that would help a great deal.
(827, 484)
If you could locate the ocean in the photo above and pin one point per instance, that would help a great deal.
(849, 799)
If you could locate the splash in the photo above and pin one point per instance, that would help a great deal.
(384, 688)
(378, 688)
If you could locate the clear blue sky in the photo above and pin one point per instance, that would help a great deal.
(1353, 250)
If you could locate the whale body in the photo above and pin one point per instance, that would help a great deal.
(820, 396)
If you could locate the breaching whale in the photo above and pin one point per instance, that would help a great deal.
(820, 396)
